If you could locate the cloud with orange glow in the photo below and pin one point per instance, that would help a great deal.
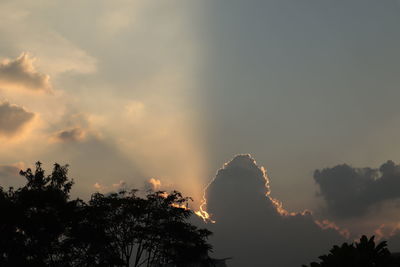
(155, 184)
(101, 188)
(73, 127)
(13, 119)
(21, 73)
(254, 227)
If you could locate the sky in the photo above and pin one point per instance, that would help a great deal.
(129, 91)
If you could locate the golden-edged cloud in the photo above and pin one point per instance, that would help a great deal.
(239, 199)
(13, 119)
(20, 73)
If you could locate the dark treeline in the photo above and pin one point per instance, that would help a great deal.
(41, 226)
(364, 253)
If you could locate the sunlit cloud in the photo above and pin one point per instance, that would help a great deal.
(242, 164)
(20, 73)
(137, 101)
(101, 188)
(23, 31)
(98, 187)
(326, 224)
(155, 184)
(14, 119)
(75, 127)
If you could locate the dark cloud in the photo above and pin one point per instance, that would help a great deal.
(72, 127)
(71, 135)
(253, 227)
(22, 74)
(13, 118)
(351, 192)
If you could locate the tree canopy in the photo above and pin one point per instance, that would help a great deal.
(364, 253)
(42, 226)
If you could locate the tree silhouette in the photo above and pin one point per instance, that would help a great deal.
(86, 242)
(146, 231)
(168, 238)
(364, 253)
(119, 215)
(44, 227)
(37, 215)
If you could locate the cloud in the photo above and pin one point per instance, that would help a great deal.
(25, 27)
(351, 192)
(154, 184)
(75, 127)
(21, 73)
(253, 227)
(13, 119)
(154, 84)
(101, 188)
(70, 135)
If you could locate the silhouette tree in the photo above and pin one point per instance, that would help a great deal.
(44, 227)
(168, 238)
(11, 240)
(119, 216)
(146, 231)
(37, 215)
(86, 242)
(361, 254)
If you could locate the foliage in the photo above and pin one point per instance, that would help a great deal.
(43, 227)
(37, 215)
(364, 253)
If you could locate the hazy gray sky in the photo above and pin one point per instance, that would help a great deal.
(301, 85)
(125, 91)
